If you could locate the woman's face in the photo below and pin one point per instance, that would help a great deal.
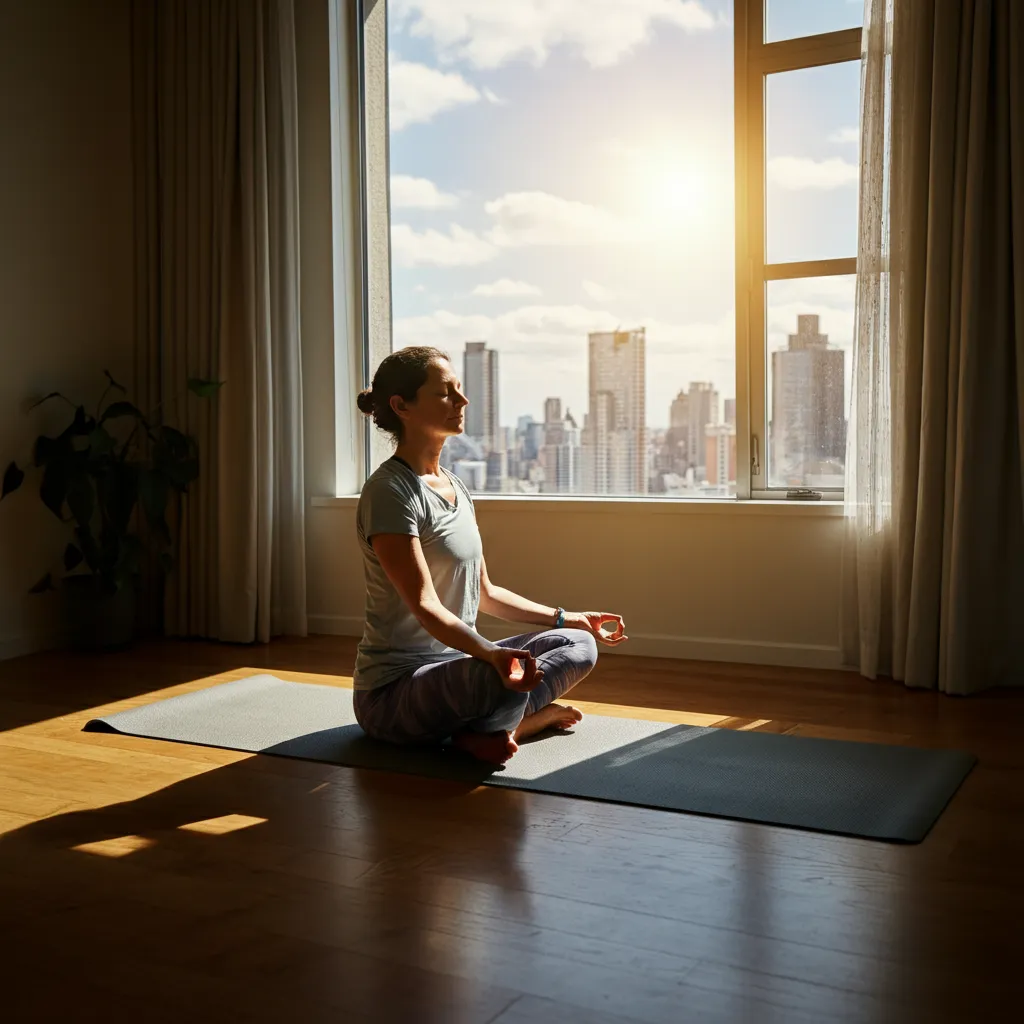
(440, 405)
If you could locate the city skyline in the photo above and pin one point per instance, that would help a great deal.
(613, 450)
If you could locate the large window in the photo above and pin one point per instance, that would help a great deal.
(560, 183)
(797, 113)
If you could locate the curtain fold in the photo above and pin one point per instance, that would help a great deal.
(934, 580)
(216, 155)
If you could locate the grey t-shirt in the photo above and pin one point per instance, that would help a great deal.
(395, 500)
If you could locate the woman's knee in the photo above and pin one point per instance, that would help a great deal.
(584, 647)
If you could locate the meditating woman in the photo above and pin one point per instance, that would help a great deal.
(423, 673)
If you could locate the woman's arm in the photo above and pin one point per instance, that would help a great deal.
(504, 604)
(401, 557)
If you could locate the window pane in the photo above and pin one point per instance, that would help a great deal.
(562, 225)
(812, 170)
(810, 334)
(789, 19)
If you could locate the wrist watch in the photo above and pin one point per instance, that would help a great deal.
(559, 618)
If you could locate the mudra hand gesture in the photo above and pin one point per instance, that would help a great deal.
(592, 623)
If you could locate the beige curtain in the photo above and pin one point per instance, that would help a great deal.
(934, 580)
(215, 135)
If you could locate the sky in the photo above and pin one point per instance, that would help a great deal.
(566, 166)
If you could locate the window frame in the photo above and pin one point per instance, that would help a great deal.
(754, 60)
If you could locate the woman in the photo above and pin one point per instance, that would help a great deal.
(423, 673)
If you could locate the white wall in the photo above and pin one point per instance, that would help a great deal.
(66, 302)
(718, 581)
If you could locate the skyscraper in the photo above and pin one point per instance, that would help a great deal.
(691, 413)
(808, 427)
(720, 460)
(480, 379)
(561, 455)
(615, 432)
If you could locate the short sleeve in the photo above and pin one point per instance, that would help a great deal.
(385, 506)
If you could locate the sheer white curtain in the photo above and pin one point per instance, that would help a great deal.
(934, 557)
(217, 229)
(870, 452)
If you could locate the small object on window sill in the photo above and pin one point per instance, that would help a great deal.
(803, 494)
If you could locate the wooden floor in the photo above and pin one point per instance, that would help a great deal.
(152, 881)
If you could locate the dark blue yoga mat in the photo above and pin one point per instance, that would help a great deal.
(872, 790)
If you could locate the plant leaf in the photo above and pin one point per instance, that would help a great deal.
(46, 398)
(118, 409)
(204, 388)
(82, 424)
(80, 498)
(44, 584)
(100, 443)
(13, 478)
(174, 443)
(45, 449)
(72, 557)
(54, 487)
(113, 383)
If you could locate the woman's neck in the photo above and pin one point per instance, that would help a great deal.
(422, 455)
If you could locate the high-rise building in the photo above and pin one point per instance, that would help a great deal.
(480, 380)
(561, 454)
(690, 414)
(614, 436)
(720, 458)
(730, 411)
(808, 426)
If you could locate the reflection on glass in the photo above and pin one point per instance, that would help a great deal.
(812, 168)
(809, 338)
(790, 19)
(563, 226)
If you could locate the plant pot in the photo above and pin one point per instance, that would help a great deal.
(96, 620)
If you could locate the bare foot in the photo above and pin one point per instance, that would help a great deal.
(554, 716)
(493, 747)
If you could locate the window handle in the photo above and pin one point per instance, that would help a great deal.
(755, 455)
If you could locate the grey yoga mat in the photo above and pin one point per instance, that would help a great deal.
(863, 789)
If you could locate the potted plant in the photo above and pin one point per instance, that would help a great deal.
(95, 474)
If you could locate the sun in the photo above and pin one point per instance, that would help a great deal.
(679, 191)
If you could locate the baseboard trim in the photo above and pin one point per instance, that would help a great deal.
(654, 645)
(19, 645)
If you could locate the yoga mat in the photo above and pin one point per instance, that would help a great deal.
(872, 790)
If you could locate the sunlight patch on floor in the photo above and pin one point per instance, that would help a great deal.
(122, 846)
(223, 824)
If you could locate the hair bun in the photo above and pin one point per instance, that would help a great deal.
(364, 401)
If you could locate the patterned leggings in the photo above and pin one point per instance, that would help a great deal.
(434, 701)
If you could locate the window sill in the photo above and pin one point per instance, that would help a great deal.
(625, 506)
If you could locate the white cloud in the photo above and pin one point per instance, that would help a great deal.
(430, 248)
(418, 193)
(538, 218)
(597, 292)
(491, 33)
(505, 288)
(492, 97)
(843, 135)
(417, 93)
(796, 173)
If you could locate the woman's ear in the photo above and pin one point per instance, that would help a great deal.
(397, 403)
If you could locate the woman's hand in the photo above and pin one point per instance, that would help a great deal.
(592, 623)
(518, 669)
